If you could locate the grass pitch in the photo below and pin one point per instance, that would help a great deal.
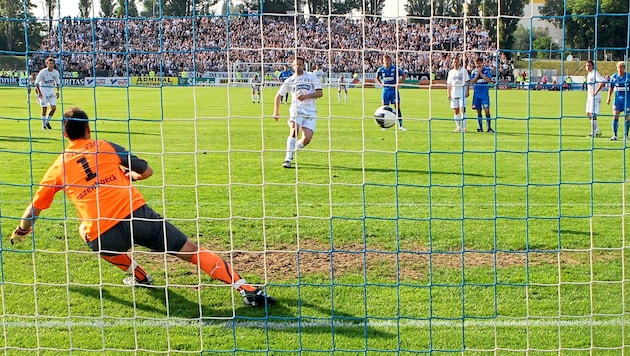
(377, 242)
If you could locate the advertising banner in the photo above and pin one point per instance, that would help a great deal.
(154, 81)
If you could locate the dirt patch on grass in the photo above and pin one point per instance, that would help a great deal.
(316, 258)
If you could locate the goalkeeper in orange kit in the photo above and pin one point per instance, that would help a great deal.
(114, 215)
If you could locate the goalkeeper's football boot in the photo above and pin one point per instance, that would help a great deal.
(257, 298)
(286, 164)
(132, 281)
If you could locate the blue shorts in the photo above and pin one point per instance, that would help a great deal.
(390, 97)
(479, 102)
(622, 105)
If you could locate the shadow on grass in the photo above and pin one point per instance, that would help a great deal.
(158, 300)
(27, 139)
(100, 132)
(390, 170)
(529, 134)
(282, 316)
(576, 232)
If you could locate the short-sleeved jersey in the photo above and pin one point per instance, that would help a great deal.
(389, 76)
(47, 80)
(481, 86)
(256, 83)
(621, 86)
(306, 83)
(284, 75)
(342, 84)
(320, 75)
(457, 79)
(89, 172)
(593, 79)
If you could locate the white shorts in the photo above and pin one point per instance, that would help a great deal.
(47, 99)
(458, 103)
(593, 105)
(304, 121)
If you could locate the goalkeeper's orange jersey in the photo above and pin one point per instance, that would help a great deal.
(89, 172)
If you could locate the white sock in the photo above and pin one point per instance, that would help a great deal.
(595, 127)
(300, 145)
(44, 120)
(253, 97)
(457, 123)
(290, 148)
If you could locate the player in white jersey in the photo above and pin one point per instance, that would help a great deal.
(46, 82)
(319, 73)
(256, 83)
(304, 88)
(595, 83)
(342, 88)
(30, 83)
(457, 93)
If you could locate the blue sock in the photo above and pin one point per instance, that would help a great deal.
(615, 126)
(626, 127)
(399, 117)
(480, 122)
(488, 121)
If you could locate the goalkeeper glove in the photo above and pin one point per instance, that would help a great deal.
(19, 235)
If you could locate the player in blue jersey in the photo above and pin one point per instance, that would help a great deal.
(390, 78)
(481, 78)
(284, 75)
(620, 84)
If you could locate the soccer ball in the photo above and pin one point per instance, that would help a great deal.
(385, 116)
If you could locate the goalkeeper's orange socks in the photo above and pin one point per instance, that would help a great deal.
(219, 269)
(209, 262)
(125, 263)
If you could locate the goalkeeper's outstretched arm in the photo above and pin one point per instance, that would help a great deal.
(26, 224)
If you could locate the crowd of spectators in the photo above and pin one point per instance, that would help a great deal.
(169, 46)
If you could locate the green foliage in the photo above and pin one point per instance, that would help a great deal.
(85, 8)
(545, 46)
(418, 8)
(126, 8)
(507, 23)
(522, 39)
(107, 8)
(12, 35)
(583, 30)
(508, 18)
(324, 7)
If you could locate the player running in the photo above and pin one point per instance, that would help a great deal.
(304, 88)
